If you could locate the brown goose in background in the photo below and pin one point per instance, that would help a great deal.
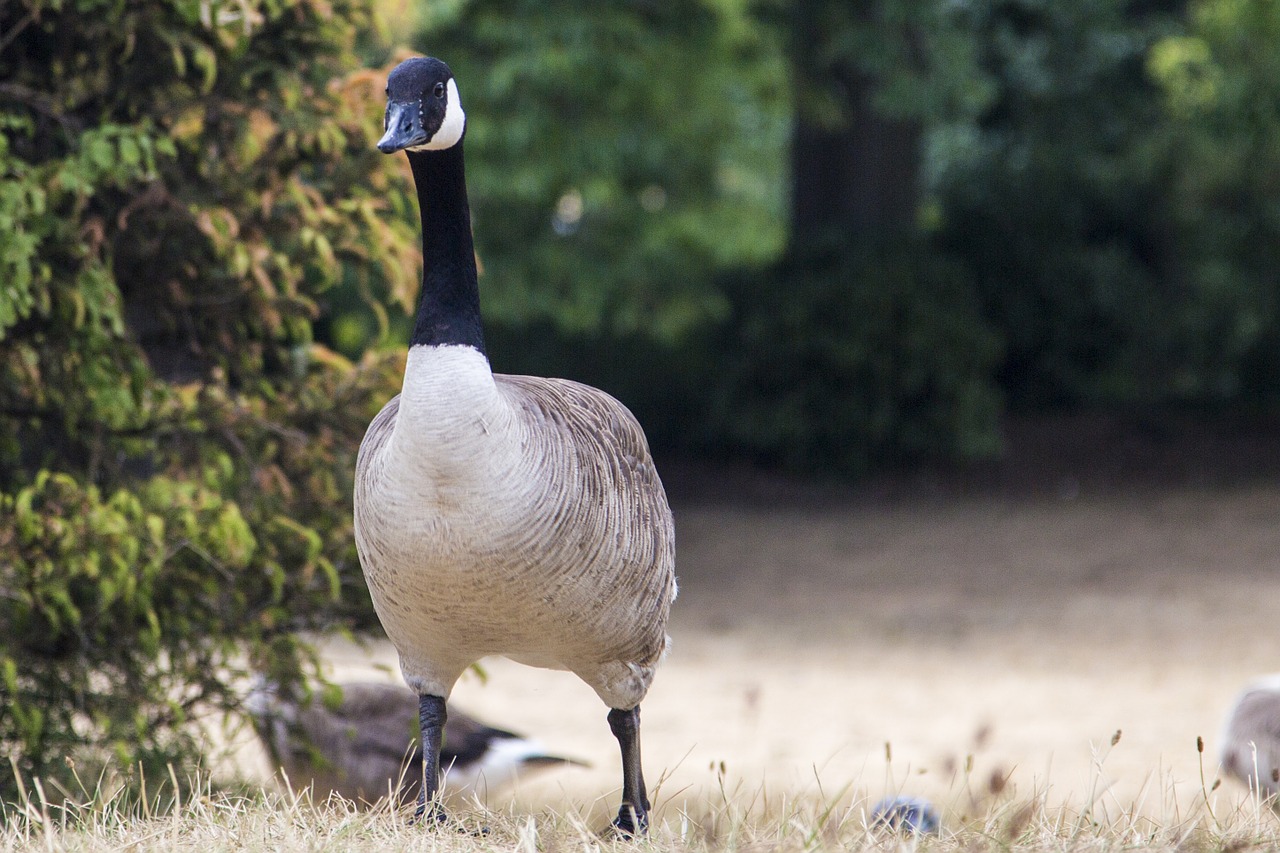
(1251, 739)
(366, 746)
(503, 515)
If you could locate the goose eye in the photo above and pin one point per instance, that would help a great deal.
(439, 90)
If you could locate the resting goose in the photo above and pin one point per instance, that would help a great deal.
(364, 748)
(503, 515)
(1251, 739)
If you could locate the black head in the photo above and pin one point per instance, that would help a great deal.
(424, 112)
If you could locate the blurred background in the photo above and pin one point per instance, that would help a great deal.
(864, 270)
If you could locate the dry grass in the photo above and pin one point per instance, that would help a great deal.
(980, 814)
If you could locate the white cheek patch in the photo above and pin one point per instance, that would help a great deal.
(455, 121)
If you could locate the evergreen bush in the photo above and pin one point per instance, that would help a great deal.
(181, 181)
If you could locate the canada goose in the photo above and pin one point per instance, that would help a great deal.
(364, 748)
(503, 515)
(1251, 739)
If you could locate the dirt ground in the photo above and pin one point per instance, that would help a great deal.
(1102, 577)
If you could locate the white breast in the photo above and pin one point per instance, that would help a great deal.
(452, 418)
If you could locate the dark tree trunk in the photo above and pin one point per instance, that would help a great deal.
(853, 168)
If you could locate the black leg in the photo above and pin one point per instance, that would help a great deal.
(431, 716)
(633, 817)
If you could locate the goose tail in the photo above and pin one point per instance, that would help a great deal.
(504, 759)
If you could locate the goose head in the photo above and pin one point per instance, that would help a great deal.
(424, 112)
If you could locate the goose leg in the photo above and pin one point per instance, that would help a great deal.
(633, 817)
(431, 717)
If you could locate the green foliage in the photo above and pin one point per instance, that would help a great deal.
(845, 357)
(99, 591)
(922, 55)
(864, 346)
(1221, 156)
(1057, 203)
(1115, 200)
(182, 183)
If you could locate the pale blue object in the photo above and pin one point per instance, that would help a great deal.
(906, 814)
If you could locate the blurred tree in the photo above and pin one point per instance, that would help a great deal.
(864, 345)
(1056, 200)
(854, 165)
(1219, 153)
(871, 82)
(181, 182)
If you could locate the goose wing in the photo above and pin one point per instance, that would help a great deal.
(605, 488)
(376, 722)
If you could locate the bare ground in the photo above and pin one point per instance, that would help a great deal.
(1101, 578)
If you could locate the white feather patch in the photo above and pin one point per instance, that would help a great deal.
(500, 764)
(448, 402)
(455, 121)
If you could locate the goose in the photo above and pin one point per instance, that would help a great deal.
(1251, 739)
(363, 748)
(503, 515)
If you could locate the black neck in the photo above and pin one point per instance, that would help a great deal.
(449, 307)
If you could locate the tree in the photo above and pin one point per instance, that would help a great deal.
(1057, 202)
(1218, 156)
(182, 182)
(863, 346)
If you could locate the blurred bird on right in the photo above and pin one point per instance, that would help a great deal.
(1251, 739)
